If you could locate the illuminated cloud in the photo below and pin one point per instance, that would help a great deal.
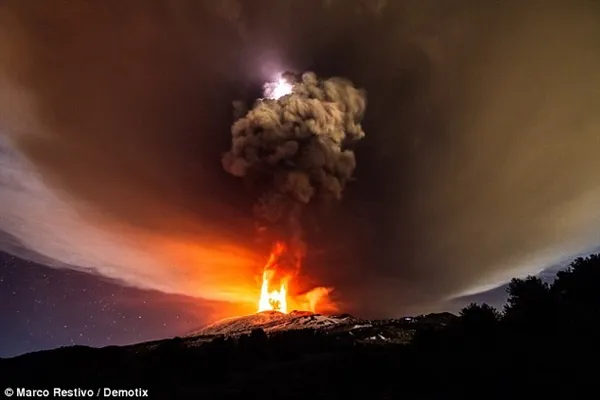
(481, 159)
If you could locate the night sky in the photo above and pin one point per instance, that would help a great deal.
(44, 308)
(479, 161)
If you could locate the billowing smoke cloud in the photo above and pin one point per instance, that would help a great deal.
(293, 149)
(480, 160)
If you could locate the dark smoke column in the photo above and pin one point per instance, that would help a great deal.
(291, 150)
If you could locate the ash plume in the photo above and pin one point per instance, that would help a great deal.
(293, 150)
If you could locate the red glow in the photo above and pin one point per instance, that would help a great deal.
(276, 279)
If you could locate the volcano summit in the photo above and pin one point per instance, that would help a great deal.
(272, 321)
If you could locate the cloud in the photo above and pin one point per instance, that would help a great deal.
(480, 160)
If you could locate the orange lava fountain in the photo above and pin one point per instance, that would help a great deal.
(280, 269)
(275, 300)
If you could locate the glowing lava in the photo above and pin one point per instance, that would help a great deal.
(281, 267)
(277, 89)
(275, 300)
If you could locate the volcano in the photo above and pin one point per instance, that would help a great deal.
(274, 321)
(399, 330)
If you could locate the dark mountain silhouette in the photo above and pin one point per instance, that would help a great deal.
(543, 343)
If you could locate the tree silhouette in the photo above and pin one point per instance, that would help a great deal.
(530, 305)
(578, 296)
(526, 294)
(479, 318)
(477, 326)
(577, 286)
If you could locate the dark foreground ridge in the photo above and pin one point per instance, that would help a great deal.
(544, 343)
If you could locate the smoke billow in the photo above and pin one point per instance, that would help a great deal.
(480, 163)
(293, 149)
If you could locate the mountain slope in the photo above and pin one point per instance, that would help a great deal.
(271, 321)
(343, 325)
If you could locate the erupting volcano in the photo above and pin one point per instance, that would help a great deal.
(275, 300)
(291, 148)
(279, 271)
